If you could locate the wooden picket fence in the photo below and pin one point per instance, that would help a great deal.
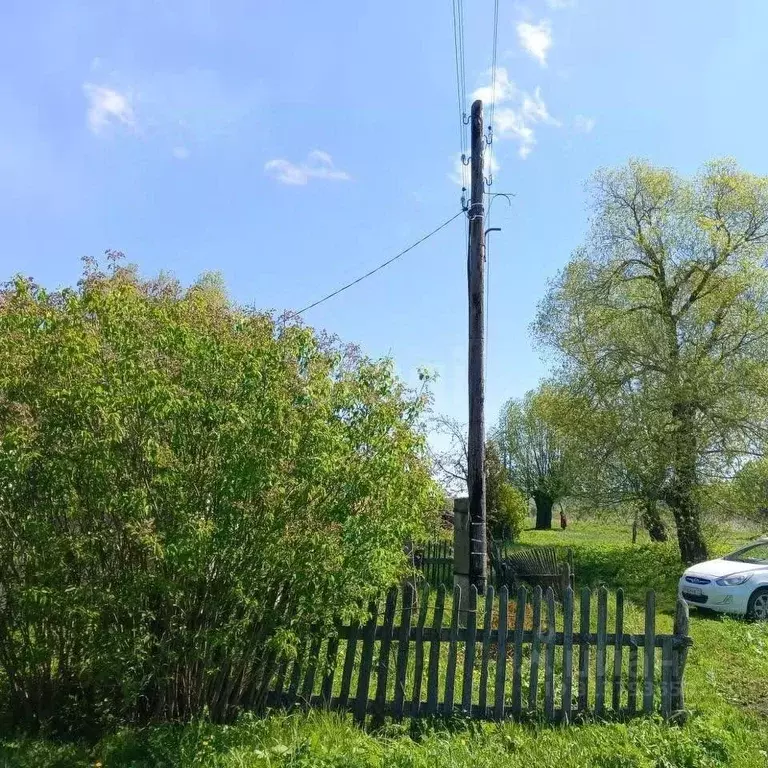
(485, 667)
(435, 561)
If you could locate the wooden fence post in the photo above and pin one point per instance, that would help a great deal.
(469, 653)
(517, 655)
(584, 650)
(433, 670)
(681, 629)
(533, 685)
(567, 653)
(618, 651)
(600, 653)
(501, 655)
(549, 669)
(461, 538)
(486, 653)
(450, 672)
(418, 653)
(403, 644)
(366, 662)
(649, 652)
(382, 672)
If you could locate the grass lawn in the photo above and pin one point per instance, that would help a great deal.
(726, 687)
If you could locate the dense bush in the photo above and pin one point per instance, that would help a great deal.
(511, 513)
(185, 487)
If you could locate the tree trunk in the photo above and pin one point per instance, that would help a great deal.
(544, 505)
(653, 522)
(681, 496)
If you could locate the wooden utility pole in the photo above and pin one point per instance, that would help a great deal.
(476, 281)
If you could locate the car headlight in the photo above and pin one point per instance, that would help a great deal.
(735, 580)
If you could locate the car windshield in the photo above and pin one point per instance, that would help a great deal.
(756, 553)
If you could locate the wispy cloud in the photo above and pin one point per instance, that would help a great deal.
(505, 88)
(558, 5)
(180, 109)
(180, 153)
(517, 112)
(536, 39)
(318, 165)
(584, 124)
(107, 106)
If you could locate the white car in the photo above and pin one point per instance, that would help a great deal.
(737, 583)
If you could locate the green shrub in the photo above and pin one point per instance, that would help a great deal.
(511, 513)
(185, 488)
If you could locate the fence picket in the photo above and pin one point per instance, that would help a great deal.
(533, 687)
(331, 655)
(583, 701)
(450, 672)
(418, 653)
(549, 668)
(649, 652)
(600, 653)
(680, 630)
(469, 652)
(501, 655)
(567, 653)
(293, 686)
(366, 662)
(434, 652)
(382, 672)
(309, 678)
(666, 678)
(349, 663)
(280, 682)
(403, 644)
(517, 656)
(617, 651)
(632, 680)
(486, 638)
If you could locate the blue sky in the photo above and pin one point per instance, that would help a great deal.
(294, 145)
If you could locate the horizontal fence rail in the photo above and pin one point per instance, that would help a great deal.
(520, 656)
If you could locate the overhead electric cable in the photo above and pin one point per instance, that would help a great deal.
(380, 267)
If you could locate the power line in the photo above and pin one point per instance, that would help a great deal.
(461, 83)
(381, 266)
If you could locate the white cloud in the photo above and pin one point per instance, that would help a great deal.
(105, 106)
(558, 5)
(318, 165)
(175, 109)
(517, 112)
(505, 88)
(180, 153)
(535, 110)
(584, 124)
(536, 39)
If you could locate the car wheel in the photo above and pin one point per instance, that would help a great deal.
(757, 609)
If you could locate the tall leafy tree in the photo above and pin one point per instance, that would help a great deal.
(663, 311)
(614, 452)
(533, 452)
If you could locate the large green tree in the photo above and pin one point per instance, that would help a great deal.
(615, 458)
(663, 311)
(186, 489)
(536, 458)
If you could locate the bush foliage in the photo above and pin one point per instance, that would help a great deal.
(185, 487)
